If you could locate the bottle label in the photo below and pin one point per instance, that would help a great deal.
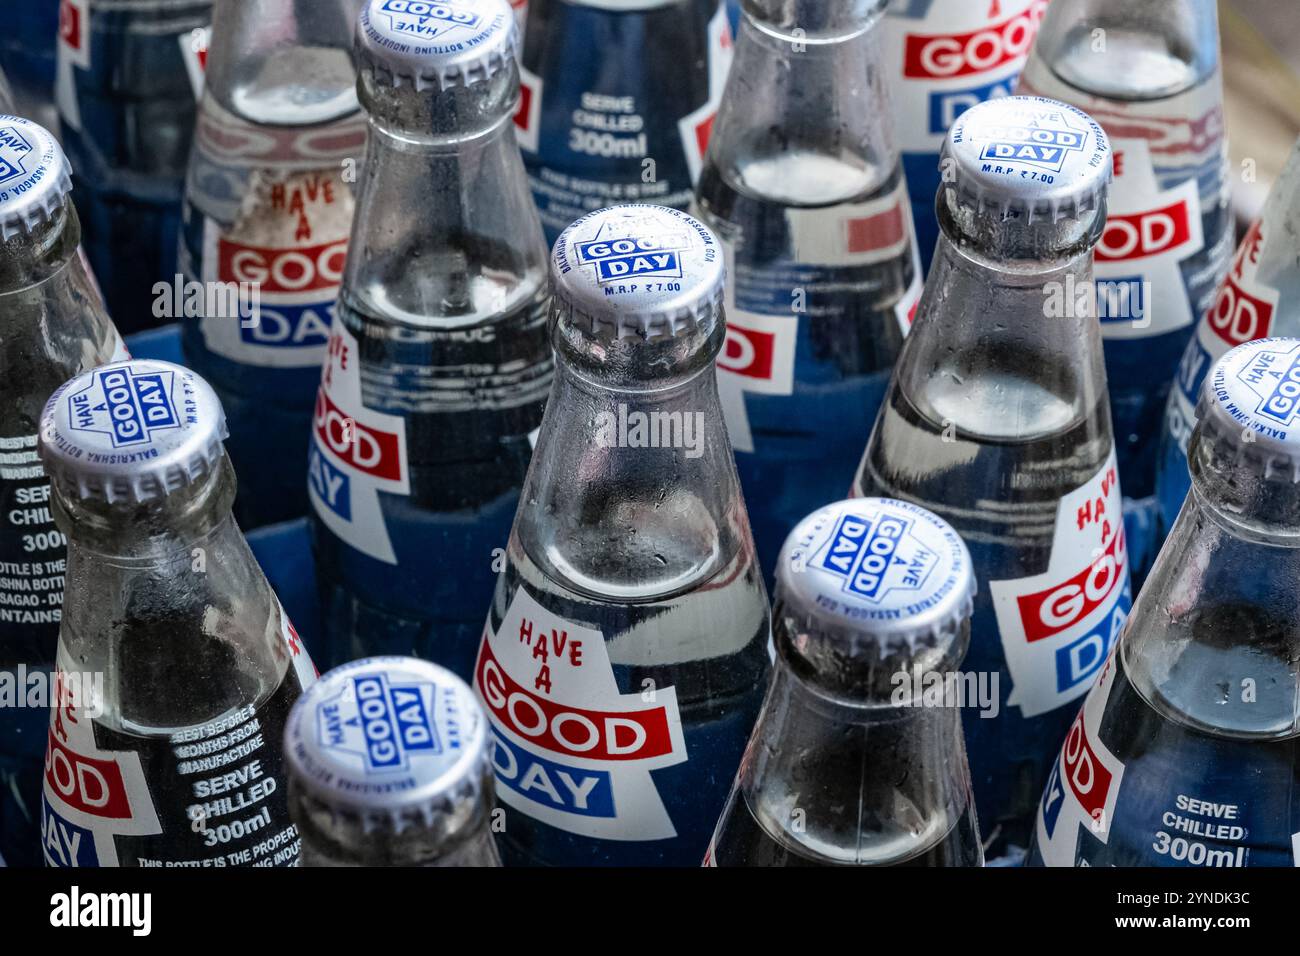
(765, 300)
(1133, 787)
(194, 53)
(571, 750)
(283, 257)
(32, 549)
(72, 53)
(946, 56)
(1084, 783)
(1170, 158)
(1242, 311)
(1058, 627)
(355, 454)
(211, 795)
(612, 144)
(273, 208)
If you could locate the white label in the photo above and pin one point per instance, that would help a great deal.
(571, 750)
(1242, 311)
(905, 308)
(697, 127)
(528, 115)
(1161, 149)
(194, 53)
(356, 453)
(1148, 234)
(945, 56)
(1084, 784)
(1057, 628)
(289, 241)
(73, 53)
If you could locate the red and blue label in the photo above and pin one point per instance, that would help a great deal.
(572, 751)
(1058, 626)
(356, 454)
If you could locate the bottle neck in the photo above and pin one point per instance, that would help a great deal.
(892, 781)
(444, 186)
(621, 449)
(1235, 484)
(1005, 348)
(30, 258)
(461, 837)
(1213, 639)
(140, 533)
(167, 596)
(283, 62)
(52, 321)
(806, 88)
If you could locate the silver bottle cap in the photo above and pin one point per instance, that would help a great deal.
(1250, 407)
(1027, 157)
(392, 741)
(637, 270)
(34, 179)
(131, 431)
(436, 45)
(876, 570)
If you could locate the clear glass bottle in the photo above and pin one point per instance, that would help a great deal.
(1186, 751)
(53, 325)
(803, 185)
(436, 375)
(857, 758)
(942, 57)
(178, 664)
(269, 203)
(619, 100)
(1149, 73)
(127, 100)
(390, 765)
(630, 627)
(1258, 298)
(996, 420)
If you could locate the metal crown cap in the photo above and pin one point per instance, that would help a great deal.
(1027, 156)
(436, 45)
(638, 270)
(388, 738)
(34, 179)
(131, 431)
(876, 570)
(1250, 404)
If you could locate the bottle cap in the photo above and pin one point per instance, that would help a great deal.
(390, 741)
(436, 45)
(34, 179)
(1027, 157)
(638, 270)
(1250, 407)
(131, 431)
(876, 570)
